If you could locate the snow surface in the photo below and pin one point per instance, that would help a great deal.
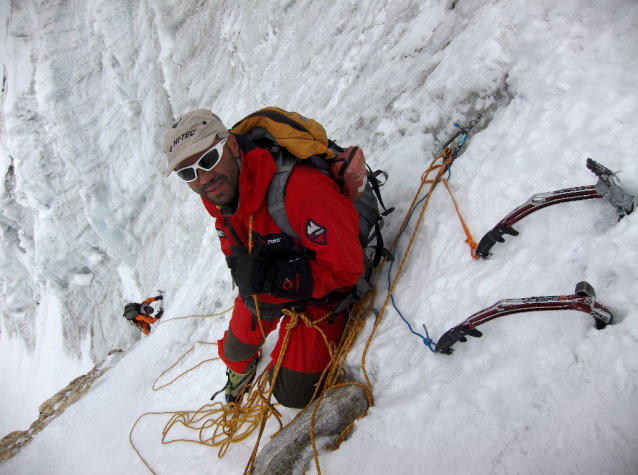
(88, 223)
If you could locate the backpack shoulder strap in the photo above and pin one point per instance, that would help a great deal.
(276, 195)
(284, 161)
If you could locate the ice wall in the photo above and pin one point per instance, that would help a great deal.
(80, 106)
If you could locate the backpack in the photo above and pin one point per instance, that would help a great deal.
(132, 310)
(293, 139)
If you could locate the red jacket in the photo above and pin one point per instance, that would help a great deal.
(325, 219)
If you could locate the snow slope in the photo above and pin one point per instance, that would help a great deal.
(88, 222)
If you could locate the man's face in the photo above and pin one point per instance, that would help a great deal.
(219, 185)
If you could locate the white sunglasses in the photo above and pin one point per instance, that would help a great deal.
(208, 161)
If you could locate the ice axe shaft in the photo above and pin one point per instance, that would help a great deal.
(583, 300)
(608, 188)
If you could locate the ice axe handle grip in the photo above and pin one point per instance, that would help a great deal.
(444, 345)
(491, 238)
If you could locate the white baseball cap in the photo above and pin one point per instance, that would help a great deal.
(192, 133)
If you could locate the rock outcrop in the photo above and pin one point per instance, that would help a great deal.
(12, 443)
(290, 451)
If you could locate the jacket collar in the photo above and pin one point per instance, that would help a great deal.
(257, 170)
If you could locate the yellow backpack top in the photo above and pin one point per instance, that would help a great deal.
(301, 136)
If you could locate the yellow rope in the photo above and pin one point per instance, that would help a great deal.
(229, 420)
(295, 318)
(447, 156)
(250, 250)
(328, 376)
(225, 421)
(188, 371)
(195, 316)
(250, 234)
(168, 384)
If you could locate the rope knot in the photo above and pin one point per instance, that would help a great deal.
(294, 319)
(306, 319)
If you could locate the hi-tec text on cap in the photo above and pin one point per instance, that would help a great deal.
(182, 137)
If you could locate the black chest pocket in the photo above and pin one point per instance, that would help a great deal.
(275, 246)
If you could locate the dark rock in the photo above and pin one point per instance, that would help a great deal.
(290, 451)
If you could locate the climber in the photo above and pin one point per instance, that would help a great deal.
(232, 175)
(140, 314)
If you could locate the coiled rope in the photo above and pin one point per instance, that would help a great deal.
(173, 414)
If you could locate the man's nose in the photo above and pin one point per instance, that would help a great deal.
(203, 176)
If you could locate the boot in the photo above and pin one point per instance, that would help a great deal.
(237, 382)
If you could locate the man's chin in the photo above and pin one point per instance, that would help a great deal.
(219, 199)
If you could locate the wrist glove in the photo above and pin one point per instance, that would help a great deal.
(255, 273)
(159, 297)
(159, 314)
(242, 268)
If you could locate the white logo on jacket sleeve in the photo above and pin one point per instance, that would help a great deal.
(315, 232)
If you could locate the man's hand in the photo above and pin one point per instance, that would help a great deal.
(283, 278)
(243, 267)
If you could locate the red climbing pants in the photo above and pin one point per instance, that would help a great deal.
(305, 359)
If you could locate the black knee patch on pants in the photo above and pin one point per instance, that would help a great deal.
(235, 350)
(294, 389)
